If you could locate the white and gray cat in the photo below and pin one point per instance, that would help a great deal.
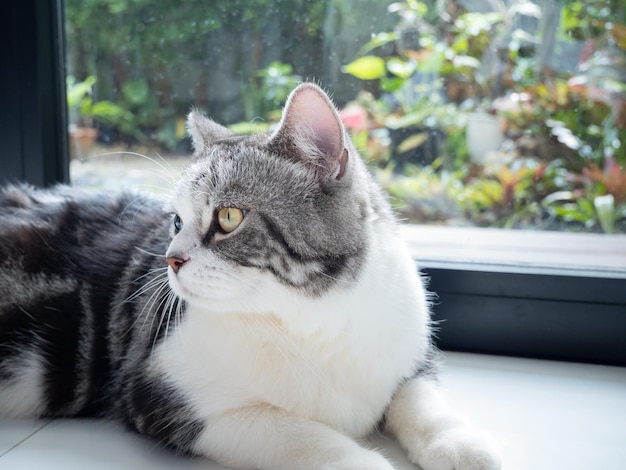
(267, 318)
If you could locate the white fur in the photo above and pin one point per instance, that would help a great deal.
(330, 359)
(434, 436)
(286, 381)
(281, 379)
(291, 376)
(22, 396)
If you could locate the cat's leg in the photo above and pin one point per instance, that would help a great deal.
(264, 437)
(433, 435)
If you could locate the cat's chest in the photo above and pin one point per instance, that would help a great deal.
(336, 375)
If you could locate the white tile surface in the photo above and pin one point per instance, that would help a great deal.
(546, 415)
(13, 433)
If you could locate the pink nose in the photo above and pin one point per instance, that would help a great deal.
(176, 263)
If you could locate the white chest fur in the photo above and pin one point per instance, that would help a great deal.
(335, 359)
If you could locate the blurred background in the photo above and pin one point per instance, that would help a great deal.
(483, 113)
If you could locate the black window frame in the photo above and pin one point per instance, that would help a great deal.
(33, 122)
(564, 315)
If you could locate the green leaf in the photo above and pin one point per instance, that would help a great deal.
(377, 40)
(557, 197)
(86, 106)
(366, 68)
(391, 84)
(406, 120)
(136, 92)
(401, 68)
(412, 142)
(432, 63)
(570, 212)
(466, 61)
(246, 128)
(111, 113)
(77, 91)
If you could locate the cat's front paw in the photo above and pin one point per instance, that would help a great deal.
(458, 448)
(368, 460)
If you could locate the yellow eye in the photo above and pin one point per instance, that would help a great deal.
(229, 218)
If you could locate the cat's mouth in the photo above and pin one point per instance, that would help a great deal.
(205, 285)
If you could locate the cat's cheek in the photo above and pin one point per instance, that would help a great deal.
(207, 281)
(176, 285)
(184, 282)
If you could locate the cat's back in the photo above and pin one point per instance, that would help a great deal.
(64, 258)
(68, 233)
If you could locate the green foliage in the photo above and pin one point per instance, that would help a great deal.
(366, 68)
(80, 102)
(265, 97)
(140, 50)
(575, 174)
(78, 91)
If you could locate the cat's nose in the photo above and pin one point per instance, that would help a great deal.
(176, 262)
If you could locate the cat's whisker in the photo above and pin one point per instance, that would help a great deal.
(167, 171)
(156, 280)
(199, 195)
(137, 200)
(170, 180)
(158, 284)
(165, 164)
(170, 304)
(156, 255)
(160, 271)
(161, 307)
(155, 189)
(338, 279)
(154, 300)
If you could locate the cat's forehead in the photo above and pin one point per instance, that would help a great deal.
(243, 171)
(225, 164)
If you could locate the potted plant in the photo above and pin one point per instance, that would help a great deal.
(85, 112)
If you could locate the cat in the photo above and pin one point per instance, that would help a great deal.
(268, 317)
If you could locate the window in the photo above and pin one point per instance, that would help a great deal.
(506, 114)
(410, 77)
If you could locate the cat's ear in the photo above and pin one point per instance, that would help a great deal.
(203, 131)
(311, 131)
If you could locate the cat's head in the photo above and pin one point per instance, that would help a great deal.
(257, 214)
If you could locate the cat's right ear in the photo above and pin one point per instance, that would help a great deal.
(203, 131)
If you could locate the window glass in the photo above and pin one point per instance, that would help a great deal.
(508, 114)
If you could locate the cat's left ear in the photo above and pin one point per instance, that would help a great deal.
(311, 131)
(203, 131)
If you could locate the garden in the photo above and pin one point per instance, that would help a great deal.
(506, 114)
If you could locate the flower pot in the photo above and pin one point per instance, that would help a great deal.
(81, 141)
(483, 136)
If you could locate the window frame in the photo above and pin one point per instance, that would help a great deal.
(33, 122)
(508, 311)
(521, 312)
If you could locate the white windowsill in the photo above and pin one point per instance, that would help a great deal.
(534, 251)
(546, 416)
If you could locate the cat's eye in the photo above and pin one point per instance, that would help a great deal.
(178, 224)
(230, 218)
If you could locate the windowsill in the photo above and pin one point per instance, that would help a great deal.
(534, 252)
(545, 415)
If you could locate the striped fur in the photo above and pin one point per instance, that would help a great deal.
(82, 288)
